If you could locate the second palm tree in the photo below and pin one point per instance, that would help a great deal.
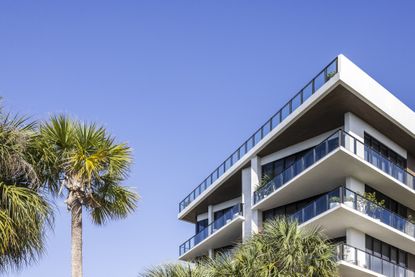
(85, 164)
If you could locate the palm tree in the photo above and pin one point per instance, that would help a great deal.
(280, 250)
(25, 213)
(176, 270)
(284, 249)
(85, 164)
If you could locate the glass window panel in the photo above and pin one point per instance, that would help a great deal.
(290, 209)
(321, 205)
(402, 258)
(377, 248)
(308, 212)
(268, 170)
(385, 251)
(376, 264)
(394, 255)
(278, 167)
(387, 268)
(320, 151)
(333, 143)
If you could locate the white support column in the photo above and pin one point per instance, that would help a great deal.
(355, 239)
(246, 201)
(250, 180)
(211, 218)
(256, 173)
(353, 127)
(211, 253)
(355, 185)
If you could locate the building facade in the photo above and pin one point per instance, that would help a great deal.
(340, 155)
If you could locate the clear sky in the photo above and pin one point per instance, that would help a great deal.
(184, 83)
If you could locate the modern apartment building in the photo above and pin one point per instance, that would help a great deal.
(341, 155)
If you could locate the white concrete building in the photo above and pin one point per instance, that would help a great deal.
(339, 142)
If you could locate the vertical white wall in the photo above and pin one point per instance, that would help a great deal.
(357, 128)
(250, 180)
(256, 220)
(355, 185)
(356, 239)
(246, 201)
(210, 220)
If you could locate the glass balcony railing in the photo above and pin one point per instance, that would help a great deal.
(357, 202)
(369, 261)
(375, 211)
(309, 158)
(217, 224)
(320, 205)
(317, 82)
(352, 144)
(390, 168)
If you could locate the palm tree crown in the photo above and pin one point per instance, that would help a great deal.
(25, 213)
(86, 164)
(86, 161)
(282, 249)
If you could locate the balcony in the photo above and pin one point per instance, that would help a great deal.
(357, 202)
(342, 208)
(310, 158)
(350, 257)
(370, 166)
(317, 82)
(219, 233)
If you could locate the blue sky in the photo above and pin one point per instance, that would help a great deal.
(184, 83)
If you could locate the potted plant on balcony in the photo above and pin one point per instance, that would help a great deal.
(349, 201)
(372, 205)
(334, 201)
(329, 75)
(264, 181)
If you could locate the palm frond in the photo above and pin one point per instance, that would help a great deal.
(25, 216)
(175, 270)
(111, 201)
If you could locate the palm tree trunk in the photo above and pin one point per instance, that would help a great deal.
(76, 232)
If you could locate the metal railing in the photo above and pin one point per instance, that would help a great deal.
(308, 159)
(317, 82)
(357, 202)
(339, 139)
(375, 211)
(217, 224)
(361, 258)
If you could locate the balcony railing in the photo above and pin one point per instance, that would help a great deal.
(389, 167)
(334, 141)
(317, 82)
(311, 157)
(357, 202)
(369, 261)
(217, 224)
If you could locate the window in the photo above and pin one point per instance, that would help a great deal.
(386, 251)
(390, 204)
(288, 209)
(385, 151)
(200, 225)
(275, 168)
(220, 213)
